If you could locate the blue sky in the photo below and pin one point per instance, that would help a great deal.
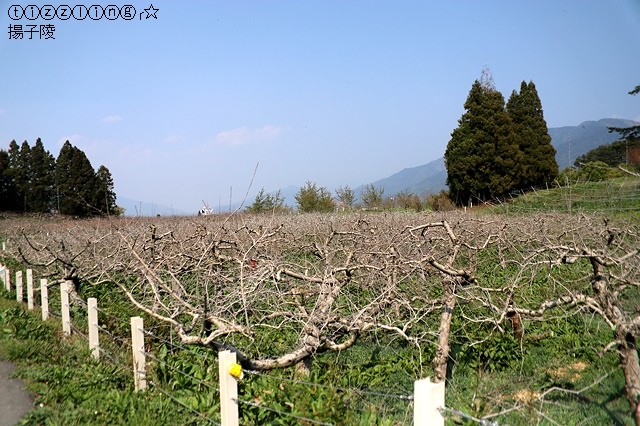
(181, 108)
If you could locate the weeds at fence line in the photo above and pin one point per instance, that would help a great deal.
(81, 310)
(283, 413)
(200, 416)
(619, 197)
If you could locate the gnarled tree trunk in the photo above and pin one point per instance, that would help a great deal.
(444, 330)
(627, 343)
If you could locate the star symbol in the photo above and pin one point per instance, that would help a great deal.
(151, 12)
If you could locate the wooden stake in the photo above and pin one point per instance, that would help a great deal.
(44, 298)
(228, 389)
(19, 286)
(30, 289)
(428, 398)
(137, 345)
(64, 306)
(92, 307)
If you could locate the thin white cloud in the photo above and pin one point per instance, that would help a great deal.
(245, 135)
(175, 138)
(136, 151)
(112, 118)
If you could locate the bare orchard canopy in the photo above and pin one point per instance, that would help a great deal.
(324, 281)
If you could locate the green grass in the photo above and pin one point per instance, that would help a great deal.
(616, 197)
(70, 388)
(561, 352)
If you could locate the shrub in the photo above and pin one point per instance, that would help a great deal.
(441, 202)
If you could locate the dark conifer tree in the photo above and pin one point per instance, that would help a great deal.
(532, 136)
(482, 158)
(13, 170)
(42, 167)
(75, 182)
(105, 197)
(7, 188)
(64, 188)
(21, 171)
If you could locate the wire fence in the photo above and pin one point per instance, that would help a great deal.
(117, 349)
(621, 195)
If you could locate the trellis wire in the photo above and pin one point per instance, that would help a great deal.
(482, 422)
(163, 340)
(113, 336)
(76, 330)
(196, 412)
(253, 372)
(301, 382)
(203, 416)
(202, 382)
(358, 391)
(254, 404)
(112, 359)
(109, 315)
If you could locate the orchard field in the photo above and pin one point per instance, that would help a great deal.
(529, 319)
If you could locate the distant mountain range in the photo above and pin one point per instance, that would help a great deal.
(570, 142)
(429, 178)
(143, 208)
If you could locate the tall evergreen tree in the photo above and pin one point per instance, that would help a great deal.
(532, 136)
(21, 170)
(64, 188)
(7, 188)
(75, 182)
(12, 172)
(42, 167)
(482, 157)
(105, 196)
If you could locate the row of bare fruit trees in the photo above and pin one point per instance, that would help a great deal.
(325, 281)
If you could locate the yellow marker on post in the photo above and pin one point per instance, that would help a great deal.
(236, 371)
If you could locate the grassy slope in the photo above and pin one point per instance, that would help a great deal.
(615, 197)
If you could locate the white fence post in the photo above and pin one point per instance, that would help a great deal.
(2, 275)
(64, 306)
(44, 298)
(92, 307)
(428, 399)
(7, 279)
(30, 289)
(228, 389)
(19, 286)
(137, 345)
